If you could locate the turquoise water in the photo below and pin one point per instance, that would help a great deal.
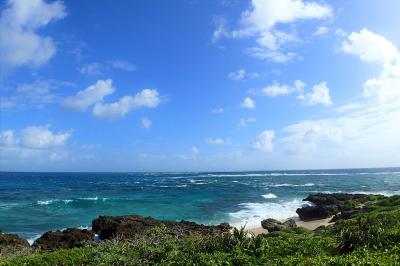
(32, 203)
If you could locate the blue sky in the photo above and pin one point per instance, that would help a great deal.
(199, 85)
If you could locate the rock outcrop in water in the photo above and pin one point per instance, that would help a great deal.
(133, 226)
(273, 225)
(340, 205)
(69, 238)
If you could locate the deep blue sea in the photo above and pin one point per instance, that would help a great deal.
(32, 203)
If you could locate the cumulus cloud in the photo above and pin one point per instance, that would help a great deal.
(146, 98)
(20, 21)
(40, 137)
(89, 96)
(277, 89)
(264, 141)
(373, 48)
(318, 95)
(248, 103)
(260, 20)
(244, 122)
(34, 137)
(146, 122)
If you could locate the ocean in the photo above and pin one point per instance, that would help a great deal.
(33, 203)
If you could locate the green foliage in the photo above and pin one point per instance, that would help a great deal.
(371, 238)
(373, 230)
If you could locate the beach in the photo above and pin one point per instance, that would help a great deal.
(310, 225)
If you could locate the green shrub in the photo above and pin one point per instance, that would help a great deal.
(373, 230)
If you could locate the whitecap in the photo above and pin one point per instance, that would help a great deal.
(67, 201)
(33, 238)
(251, 214)
(44, 202)
(292, 185)
(94, 198)
(269, 196)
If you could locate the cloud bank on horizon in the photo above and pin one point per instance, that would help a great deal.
(188, 86)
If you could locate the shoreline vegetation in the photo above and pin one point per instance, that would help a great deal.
(336, 229)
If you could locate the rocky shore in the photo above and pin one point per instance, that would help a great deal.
(134, 227)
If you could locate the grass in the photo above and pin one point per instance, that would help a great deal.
(371, 238)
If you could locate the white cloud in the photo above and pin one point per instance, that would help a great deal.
(91, 69)
(366, 136)
(123, 65)
(146, 98)
(374, 48)
(40, 137)
(371, 47)
(321, 31)
(277, 89)
(95, 68)
(305, 136)
(237, 75)
(37, 94)
(19, 22)
(146, 122)
(34, 137)
(220, 29)
(260, 20)
(89, 96)
(217, 141)
(319, 95)
(244, 122)
(264, 141)
(248, 103)
(241, 74)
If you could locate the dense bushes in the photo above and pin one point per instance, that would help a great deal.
(373, 230)
(371, 238)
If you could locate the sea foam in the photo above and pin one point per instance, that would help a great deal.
(269, 196)
(251, 214)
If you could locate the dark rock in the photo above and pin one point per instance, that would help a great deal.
(323, 199)
(326, 205)
(315, 212)
(273, 225)
(11, 240)
(134, 226)
(69, 238)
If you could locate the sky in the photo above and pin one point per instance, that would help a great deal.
(220, 85)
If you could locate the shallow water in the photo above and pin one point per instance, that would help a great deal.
(32, 203)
